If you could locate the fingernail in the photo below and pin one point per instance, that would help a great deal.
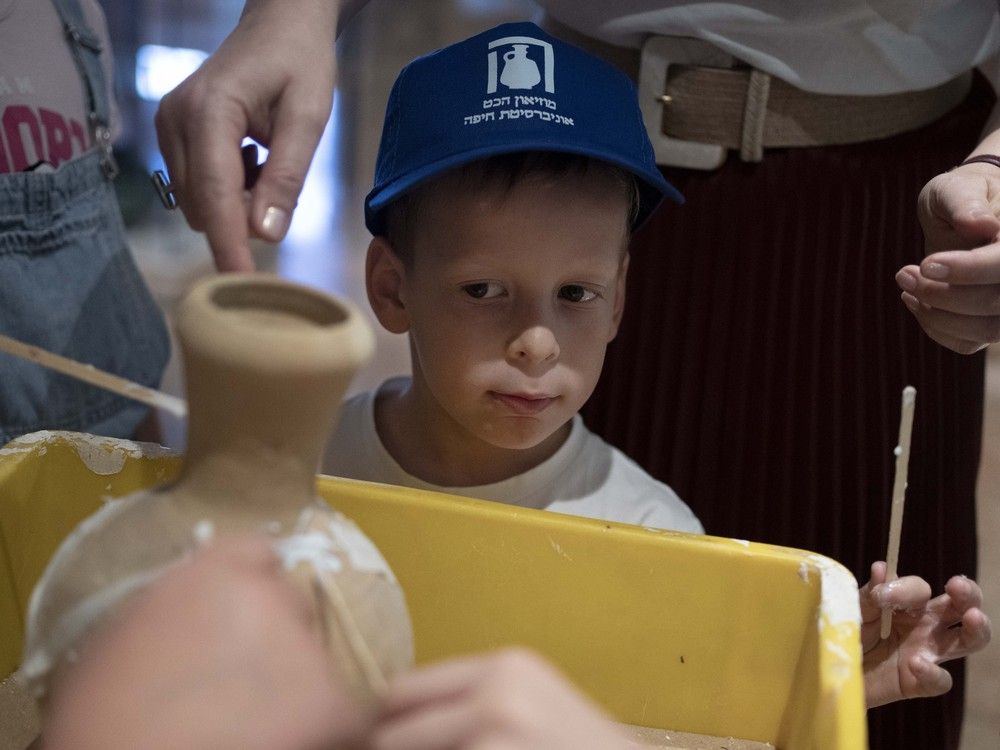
(937, 271)
(275, 223)
(906, 280)
(911, 303)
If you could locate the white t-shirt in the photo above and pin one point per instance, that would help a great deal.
(826, 46)
(585, 477)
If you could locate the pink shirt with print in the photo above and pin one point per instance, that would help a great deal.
(42, 96)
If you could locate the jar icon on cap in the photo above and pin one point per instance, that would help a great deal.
(519, 71)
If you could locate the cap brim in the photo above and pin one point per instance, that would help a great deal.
(653, 188)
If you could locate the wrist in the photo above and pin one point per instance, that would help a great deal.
(990, 144)
(982, 158)
(313, 14)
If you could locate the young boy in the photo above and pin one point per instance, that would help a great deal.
(501, 218)
(512, 172)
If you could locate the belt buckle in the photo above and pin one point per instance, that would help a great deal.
(658, 54)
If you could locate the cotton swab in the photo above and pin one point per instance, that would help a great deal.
(898, 495)
(90, 374)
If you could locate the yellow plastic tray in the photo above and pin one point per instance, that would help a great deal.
(692, 633)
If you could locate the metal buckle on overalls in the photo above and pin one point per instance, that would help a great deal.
(102, 137)
(658, 54)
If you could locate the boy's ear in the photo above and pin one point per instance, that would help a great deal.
(619, 307)
(385, 278)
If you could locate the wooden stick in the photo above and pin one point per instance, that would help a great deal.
(90, 374)
(898, 495)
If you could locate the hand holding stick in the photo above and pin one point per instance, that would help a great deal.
(898, 495)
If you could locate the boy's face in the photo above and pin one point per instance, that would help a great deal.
(510, 303)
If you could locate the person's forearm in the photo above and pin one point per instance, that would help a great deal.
(334, 13)
(348, 9)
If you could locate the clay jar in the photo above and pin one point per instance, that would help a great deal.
(267, 363)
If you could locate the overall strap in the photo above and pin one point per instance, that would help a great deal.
(86, 48)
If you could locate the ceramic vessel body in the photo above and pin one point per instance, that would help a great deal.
(266, 366)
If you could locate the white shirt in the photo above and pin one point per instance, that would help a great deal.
(584, 477)
(826, 46)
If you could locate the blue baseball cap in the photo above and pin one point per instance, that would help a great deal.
(512, 88)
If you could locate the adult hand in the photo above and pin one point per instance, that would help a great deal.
(510, 699)
(221, 652)
(955, 292)
(925, 632)
(271, 79)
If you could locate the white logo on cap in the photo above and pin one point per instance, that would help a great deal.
(520, 71)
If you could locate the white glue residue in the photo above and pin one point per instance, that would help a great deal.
(839, 591)
(804, 571)
(41, 436)
(106, 456)
(68, 548)
(837, 650)
(312, 547)
(204, 531)
(558, 548)
(839, 607)
(76, 622)
(360, 550)
(26, 443)
(102, 455)
(897, 451)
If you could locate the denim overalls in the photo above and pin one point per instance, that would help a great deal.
(68, 283)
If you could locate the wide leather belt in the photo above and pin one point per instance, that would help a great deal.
(698, 103)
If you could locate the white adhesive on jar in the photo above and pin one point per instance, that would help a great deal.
(204, 531)
(312, 547)
(360, 550)
(68, 549)
(77, 621)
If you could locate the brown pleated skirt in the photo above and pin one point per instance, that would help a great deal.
(759, 366)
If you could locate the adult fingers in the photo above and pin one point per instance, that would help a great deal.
(298, 125)
(978, 265)
(438, 682)
(960, 200)
(215, 192)
(964, 334)
(434, 726)
(201, 146)
(981, 300)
